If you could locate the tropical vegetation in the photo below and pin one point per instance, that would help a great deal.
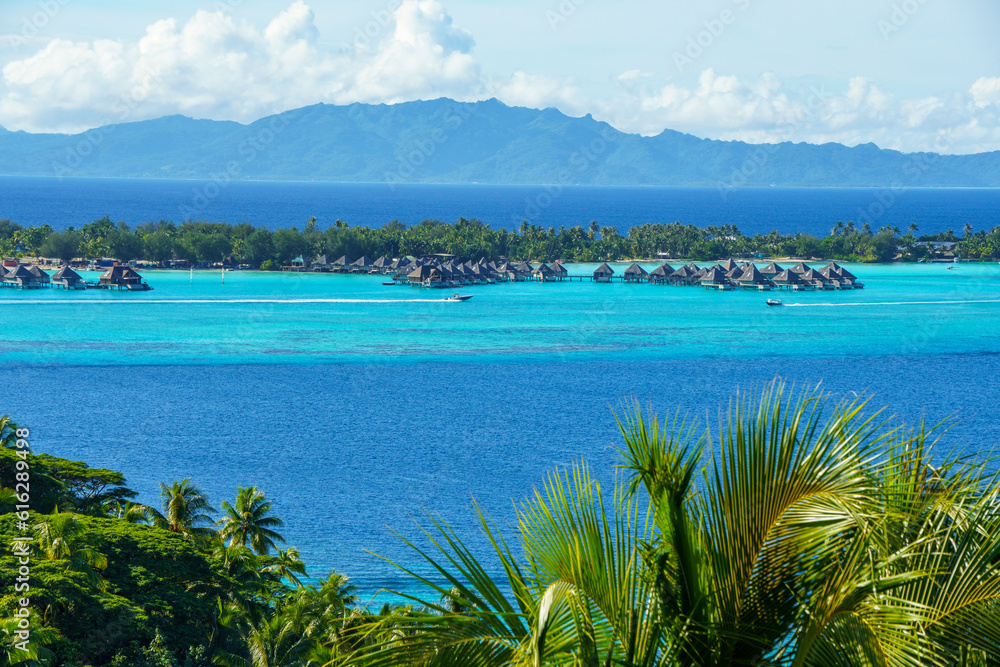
(470, 239)
(797, 531)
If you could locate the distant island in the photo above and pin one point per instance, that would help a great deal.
(444, 141)
(207, 244)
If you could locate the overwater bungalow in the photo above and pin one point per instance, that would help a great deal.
(122, 277)
(800, 268)
(321, 264)
(603, 273)
(558, 270)
(67, 278)
(787, 279)
(841, 270)
(661, 274)
(24, 278)
(771, 270)
(753, 279)
(362, 265)
(715, 278)
(635, 274)
(730, 265)
(524, 268)
(813, 279)
(426, 276)
(342, 265)
(43, 278)
(543, 273)
(683, 276)
(382, 264)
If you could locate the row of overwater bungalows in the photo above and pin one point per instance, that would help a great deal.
(434, 273)
(740, 275)
(33, 277)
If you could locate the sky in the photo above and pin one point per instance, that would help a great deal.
(910, 75)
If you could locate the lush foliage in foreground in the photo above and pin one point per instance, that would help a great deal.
(796, 535)
(791, 538)
(470, 240)
(126, 585)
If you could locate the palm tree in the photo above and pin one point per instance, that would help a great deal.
(16, 652)
(967, 230)
(127, 511)
(287, 565)
(186, 510)
(8, 433)
(64, 537)
(793, 537)
(913, 229)
(249, 521)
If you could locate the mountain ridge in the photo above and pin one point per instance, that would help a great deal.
(444, 141)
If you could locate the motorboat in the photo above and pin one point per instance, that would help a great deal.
(459, 297)
(774, 302)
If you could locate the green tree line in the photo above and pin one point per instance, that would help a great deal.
(470, 239)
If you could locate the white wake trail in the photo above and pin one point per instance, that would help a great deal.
(887, 303)
(10, 302)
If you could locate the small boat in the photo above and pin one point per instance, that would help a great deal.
(459, 297)
(391, 282)
(774, 302)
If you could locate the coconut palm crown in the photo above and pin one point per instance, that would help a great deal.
(794, 535)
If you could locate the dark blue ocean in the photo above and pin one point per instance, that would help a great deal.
(349, 451)
(61, 203)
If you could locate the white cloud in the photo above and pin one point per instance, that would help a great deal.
(986, 91)
(214, 66)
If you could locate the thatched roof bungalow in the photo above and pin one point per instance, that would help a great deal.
(751, 277)
(841, 270)
(362, 265)
(559, 270)
(683, 276)
(800, 268)
(122, 277)
(661, 274)
(426, 275)
(714, 276)
(635, 274)
(771, 269)
(787, 278)
(603, 273)
(543, 273)
(321, 264)
(24, 278)
(68, 278)
(42, 276)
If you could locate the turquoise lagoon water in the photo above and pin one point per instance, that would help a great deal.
(261, 318)
(359, 406)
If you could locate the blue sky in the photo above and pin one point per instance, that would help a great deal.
(910, 75)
